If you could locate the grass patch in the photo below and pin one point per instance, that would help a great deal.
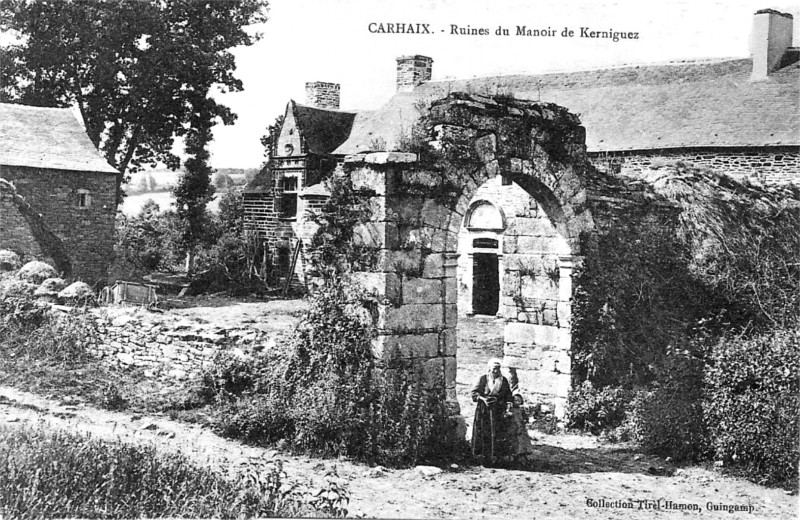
(45, 475)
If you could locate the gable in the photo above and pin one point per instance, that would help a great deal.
(289, 137)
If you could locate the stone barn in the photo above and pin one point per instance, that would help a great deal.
(501, 228)
(57, 193)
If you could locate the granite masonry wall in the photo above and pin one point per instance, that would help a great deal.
(87, 231)
(775, 165)
(15, 232)
(419, 210)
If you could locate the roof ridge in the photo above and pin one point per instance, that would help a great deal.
(334, 110)
(688, 61)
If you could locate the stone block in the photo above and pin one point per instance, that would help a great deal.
(125, 358)
(530, 334)
(564, 310)
(378, 235)
(422, 290)
(448, 342)
(410, 317)
(541, 245)
(450, 368)
(486, 147)
(450, 315)
(406, 346)
(390, 158)
(420, 178)
(433, 265)
(531, 227)
(450, 290)
(385, 285)
(544, 382)
(433, 374)
(401, 262)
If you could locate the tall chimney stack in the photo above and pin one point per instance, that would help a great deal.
(320, 94)
(412, 71)
(772, 36)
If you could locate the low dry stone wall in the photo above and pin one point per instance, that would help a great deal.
(166, 346)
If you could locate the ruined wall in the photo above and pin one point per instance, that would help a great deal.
(87, 232)
(774, 165)
(419, 211)
(164, 346)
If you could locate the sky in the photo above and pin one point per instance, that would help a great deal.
(330, 40)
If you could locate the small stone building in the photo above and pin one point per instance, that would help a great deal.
(57, 193)
(513, 258)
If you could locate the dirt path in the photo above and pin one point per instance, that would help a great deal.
(569, 470)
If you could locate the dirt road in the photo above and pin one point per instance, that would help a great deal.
(572, 476)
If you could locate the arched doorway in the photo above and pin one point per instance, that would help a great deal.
(420, 209)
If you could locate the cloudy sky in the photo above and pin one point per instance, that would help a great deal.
(329, 40)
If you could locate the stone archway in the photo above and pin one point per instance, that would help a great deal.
(420, 205)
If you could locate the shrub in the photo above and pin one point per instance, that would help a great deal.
(326, 397)
(148, 241)
(36, 272)
(229, 374)
(46, 475)
(668, 419)
(593, 410)
(753, 402)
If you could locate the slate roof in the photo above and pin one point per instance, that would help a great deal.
(47, 138)
(322, 129)
(654, 107)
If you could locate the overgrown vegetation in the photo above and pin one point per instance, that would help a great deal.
(228, 256)
(324, 396)
(669, 327)
(337, 247)
(47, 475)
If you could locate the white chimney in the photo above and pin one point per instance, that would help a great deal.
(772, 36)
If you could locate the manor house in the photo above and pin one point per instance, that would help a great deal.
(737, 116)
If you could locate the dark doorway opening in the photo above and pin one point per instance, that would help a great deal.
(485, 284)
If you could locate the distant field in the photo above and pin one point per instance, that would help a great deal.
(133, 203)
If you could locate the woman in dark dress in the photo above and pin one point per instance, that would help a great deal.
(490, 429)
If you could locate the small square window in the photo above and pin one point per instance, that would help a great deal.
(84, 199)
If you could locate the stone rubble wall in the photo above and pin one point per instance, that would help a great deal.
(166, 346)
(87, 232)
(763, 165)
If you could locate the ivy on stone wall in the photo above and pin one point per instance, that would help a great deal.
(333, 248)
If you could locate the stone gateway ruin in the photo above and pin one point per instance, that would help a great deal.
(422, 202)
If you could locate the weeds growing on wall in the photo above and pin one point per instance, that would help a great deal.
(333, 248)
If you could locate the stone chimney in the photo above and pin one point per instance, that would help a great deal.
(320, 94)
(412, 71)
(771, 38)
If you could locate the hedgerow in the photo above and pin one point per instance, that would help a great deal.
(753, 405)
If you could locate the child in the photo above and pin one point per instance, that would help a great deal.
(518, 429)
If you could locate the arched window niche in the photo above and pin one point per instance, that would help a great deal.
(485, 216)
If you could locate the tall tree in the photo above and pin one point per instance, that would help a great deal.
(131, 66)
